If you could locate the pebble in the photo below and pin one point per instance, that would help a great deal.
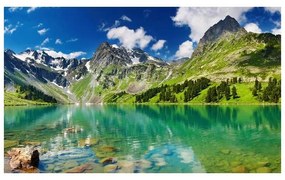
(108, 160)
(80, 169)
(108, 149)
(50, 167)
(70, 164)
(225, 151)
(57, 169)
(235, 163)
(239, 169)
(145, 164)
(263, 164)
(264, 170)
(126, 166)
(111, 168)
(159, 162)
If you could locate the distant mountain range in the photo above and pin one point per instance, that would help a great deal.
(226, 50)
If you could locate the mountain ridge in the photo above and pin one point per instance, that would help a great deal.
(225, 51)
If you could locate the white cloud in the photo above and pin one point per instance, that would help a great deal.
(45, 42)
(252, 27)
(199, 20)
(13, 9)
(276, 31)
(101, 27)
(39, 25)
(273, 9)
(130, 38)
(66, 56)
(31, 9)
(158, 45)
(58, 41)
(277, 23)
(42, 31)
(72, 40)
(104, 28)
(126, 18)
(10, 29)
(185, 50)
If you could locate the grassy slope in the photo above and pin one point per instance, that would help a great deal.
(244, 91)
(13, 99)
(231, 57)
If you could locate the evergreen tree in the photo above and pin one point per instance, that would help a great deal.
(239, 80)
(254, 92)
(228, 93)
(234, 92)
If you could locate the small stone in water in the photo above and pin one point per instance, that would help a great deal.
(263, 164)
(108, 160)
(79, 169)
(111, 168)
(57, 169)
(50, 167)
(225, 151)
(108, 149)
(239, 169)
(126, 166)
(263, 170)
(160, 162)
(145, 164)
(235, 163)
(70, 164)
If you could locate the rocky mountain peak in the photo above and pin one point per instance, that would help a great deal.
(9, 52)
(229, 24)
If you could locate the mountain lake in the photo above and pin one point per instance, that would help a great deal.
(148, 138)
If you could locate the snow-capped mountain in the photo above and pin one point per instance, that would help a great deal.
(60, 77)
(118, 55)
(47, 58)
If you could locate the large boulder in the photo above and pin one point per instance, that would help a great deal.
(23, 158)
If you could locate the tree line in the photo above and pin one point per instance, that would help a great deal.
(167, 93)
(31, 93)
(216, 93)
(271, 93)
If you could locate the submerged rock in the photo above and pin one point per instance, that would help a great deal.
(144, 164)
(23, 158)
(108, 149)
(239, 169)
(10, 143)
(225, 151)
(159, 162)
(88, 142)
(80, 169)
(235, 163)
(70, 164)
(263, 164)
(126, 166)
(57, 169)
(264, 170)
(109, 160)
(111, 168)
(72, 130)
(20, 158)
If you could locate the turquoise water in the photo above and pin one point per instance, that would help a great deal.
(149, 138)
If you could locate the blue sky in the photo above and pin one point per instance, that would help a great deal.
(168, 33)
